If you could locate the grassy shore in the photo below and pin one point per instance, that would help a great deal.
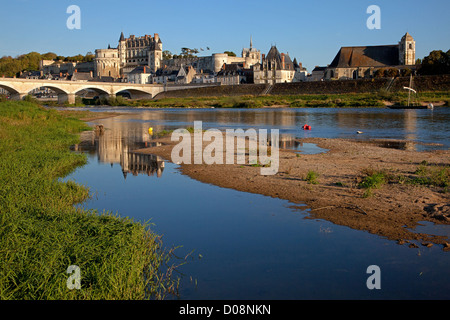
(42, 233)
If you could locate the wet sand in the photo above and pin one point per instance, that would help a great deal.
(389, 212)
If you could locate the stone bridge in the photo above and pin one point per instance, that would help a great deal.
(67, 90)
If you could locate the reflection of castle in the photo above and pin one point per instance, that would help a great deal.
(114, 146)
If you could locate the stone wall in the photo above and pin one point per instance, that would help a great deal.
(421, 83)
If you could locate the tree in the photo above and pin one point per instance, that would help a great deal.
(391, 72)
(49, 56)
(437, 62)
(188, 53)
(167, 55)
(230, 53)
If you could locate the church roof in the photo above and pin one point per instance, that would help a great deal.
(367, 56)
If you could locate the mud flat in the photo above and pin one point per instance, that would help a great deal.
(410, 186)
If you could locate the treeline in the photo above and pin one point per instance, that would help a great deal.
(437, 62)
(10, 67)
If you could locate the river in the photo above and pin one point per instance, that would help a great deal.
(249, 246)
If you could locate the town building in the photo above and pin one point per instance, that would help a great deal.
(234, 74)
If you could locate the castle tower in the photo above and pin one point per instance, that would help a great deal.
(155, 54)
(122, 51)
(407, 50)
(106, 63)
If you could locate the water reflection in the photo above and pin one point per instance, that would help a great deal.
(252, 246)
(116, 147)
(422, 126)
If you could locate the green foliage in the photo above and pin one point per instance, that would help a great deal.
(167, 55)
(386, 72)
(10, 67)
(230, 53)
(374, 180)
(311, 177)
(437, 62)
(42, 233)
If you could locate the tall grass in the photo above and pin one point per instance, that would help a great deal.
(42, 233)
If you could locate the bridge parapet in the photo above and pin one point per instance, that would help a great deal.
(67, 90)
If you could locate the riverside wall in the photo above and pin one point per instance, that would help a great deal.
(421, 84)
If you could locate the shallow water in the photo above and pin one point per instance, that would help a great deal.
(248, 246)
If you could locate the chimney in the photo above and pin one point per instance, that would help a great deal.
(283, 66)
(144, 69)
(263, 56)
(91, 74)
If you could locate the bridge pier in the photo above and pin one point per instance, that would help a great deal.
(18, 96)
(66, 98)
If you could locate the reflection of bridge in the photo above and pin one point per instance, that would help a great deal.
(67, 90)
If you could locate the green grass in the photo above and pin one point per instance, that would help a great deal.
(311, 177)
(373, 180)
(429, 175)
(42, 233)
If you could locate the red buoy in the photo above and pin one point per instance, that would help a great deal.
(306, 127)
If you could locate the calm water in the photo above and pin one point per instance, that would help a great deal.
(248, 246)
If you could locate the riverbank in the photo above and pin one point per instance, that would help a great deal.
(362, 185)
(42, 233)
(343, 100)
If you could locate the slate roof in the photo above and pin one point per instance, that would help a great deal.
(275, 55)
(366, 56)
(140, 69)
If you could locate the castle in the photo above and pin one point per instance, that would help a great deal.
(130, 53)
(147, 51)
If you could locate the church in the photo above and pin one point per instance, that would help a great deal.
(363, 61)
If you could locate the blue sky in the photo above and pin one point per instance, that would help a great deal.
(312, 31)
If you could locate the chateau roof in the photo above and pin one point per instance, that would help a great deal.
(140, 69)
(122, 37)
(275, 55)
(367, 56)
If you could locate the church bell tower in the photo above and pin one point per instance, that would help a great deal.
(407, 50)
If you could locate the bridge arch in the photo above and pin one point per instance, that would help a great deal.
(10, 89)
(63, 95)
(100, 92)
(134, 93)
